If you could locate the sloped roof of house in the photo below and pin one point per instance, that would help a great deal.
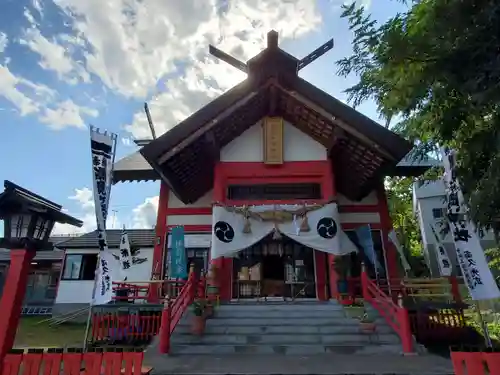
(137, 238)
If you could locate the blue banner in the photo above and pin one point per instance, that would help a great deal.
(364, 234)
(178, 260)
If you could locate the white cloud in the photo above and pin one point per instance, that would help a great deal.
(135, 47)
(55, 56)
(4, 41)
(144, 215)
(67, 114)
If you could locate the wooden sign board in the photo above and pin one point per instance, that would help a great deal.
(273, 140)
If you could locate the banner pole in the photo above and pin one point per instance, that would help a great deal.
(484, 326)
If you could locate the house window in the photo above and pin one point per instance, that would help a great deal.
(437, 213)
(80, 267)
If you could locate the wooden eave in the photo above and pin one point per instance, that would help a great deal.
(362, 150)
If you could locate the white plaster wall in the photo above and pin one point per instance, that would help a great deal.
(80, 291)
(205, 201)
(297, 146)
(368, 217)
(189, 220)
(370, 199)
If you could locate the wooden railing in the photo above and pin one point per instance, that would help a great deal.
(475, 363)
(153, 291)
(57, 362)
(395, 316)
(134, 325)
(173, 311)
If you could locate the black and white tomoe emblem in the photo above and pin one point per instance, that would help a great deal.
(327, 228)
(223, 231)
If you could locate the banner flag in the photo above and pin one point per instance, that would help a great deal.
(103, 152)
(178, 259)
(364, 235)
(442, 256)
(125, 255)
(394, 239)
(470, 254)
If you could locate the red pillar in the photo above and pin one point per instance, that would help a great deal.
(12, 297)
(158, 251)
(386, 224)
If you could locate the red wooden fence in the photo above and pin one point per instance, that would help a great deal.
(395, 316)
(55, 362)
(476, 363)
(123, 325)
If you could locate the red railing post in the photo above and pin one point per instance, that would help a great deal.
(192, 284)
(364, 283)
(165, 327)
(405, 330)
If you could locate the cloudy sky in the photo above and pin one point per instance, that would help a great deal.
(68, 64)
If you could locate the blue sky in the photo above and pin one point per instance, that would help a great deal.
(66, 64)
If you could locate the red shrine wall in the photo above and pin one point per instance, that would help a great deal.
(305, 161)
(196, 218)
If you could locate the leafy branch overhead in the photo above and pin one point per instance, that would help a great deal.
(437, 67)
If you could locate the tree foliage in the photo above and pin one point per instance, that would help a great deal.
(437, 67)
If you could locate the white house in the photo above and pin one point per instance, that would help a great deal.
(77, 277)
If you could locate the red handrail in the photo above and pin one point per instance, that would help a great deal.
(172, 312)
(397, 317)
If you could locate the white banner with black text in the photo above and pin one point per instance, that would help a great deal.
(443, 260)
(103, 150)
(125, 255)
(470, 254)
(315, 226)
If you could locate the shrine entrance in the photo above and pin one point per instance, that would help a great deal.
(274, 269)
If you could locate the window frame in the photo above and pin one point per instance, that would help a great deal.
(65, 277)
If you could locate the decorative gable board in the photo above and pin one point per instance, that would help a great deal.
(248, 147)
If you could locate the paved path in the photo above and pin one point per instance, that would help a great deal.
(383, 364)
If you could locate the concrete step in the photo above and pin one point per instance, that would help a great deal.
(351, 327)
(284, 349)
(286, 339)
(265, 313)
(318, 306)
(284, 321)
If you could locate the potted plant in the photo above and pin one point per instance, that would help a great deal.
(367, 324)
(198, 320)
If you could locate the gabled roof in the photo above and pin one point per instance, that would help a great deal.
(137, 238)
(362, 150)
(133, 168)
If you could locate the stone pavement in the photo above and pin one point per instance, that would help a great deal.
(274, 364)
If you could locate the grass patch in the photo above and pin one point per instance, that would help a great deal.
(33, 332)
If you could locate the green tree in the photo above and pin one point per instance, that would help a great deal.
(437, 68)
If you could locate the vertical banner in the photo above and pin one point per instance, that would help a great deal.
(394, 239)
(125, 255)
(103, 152)
(470, 255)
(178, 259)
(365, 240)
(441, 254)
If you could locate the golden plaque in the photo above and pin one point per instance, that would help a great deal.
(273, 140)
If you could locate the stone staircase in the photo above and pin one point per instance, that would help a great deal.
(300, 328)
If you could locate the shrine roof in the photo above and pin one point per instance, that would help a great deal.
(362, 150)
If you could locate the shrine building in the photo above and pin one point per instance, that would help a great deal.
(273, 145)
